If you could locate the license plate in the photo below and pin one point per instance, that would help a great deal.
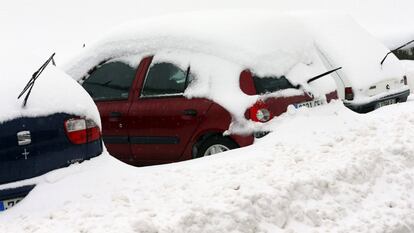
(385, 103)
(310, 104)
(6, 204)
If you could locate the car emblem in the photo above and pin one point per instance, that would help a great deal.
(25, 153)
(24, 138)
(388, 86)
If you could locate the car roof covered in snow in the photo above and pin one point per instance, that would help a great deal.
(267, 42)
(53, 92)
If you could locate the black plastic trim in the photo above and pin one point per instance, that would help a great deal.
(368, 107)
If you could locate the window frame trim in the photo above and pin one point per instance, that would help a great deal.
(157, 96)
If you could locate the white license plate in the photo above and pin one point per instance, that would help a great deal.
(310, 104)
(385, 103)
(6, 204)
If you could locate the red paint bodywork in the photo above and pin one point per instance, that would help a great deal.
(164, 117)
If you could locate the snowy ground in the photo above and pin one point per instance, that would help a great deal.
(322, 170)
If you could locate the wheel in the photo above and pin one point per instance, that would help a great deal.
(214, 145)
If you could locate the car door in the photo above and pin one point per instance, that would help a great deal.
(110, 85)
(162, 120)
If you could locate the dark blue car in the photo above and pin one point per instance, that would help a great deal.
(49, 130)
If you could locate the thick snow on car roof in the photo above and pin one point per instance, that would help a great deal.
(53, 92)
(268, 42)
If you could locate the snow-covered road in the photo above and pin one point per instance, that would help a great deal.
(322, 170)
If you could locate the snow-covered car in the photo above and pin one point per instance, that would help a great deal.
(367, 81)
(53, 124)
(170, 90)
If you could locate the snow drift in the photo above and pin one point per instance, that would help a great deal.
(337, 174)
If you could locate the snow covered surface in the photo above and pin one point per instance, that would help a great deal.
(343, 175)
(53, 92)
(409, 68)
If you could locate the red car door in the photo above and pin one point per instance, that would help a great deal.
(110, 85)
(161, 119)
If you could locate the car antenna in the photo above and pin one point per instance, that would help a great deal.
(31, 82)
(386, 55)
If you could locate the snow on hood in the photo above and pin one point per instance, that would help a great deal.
(53, 92)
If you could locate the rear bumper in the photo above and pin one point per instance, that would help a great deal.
(13, 193)
(370, 106)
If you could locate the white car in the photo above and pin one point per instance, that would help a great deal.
(367, 81)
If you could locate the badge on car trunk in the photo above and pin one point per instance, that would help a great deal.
(24, 138)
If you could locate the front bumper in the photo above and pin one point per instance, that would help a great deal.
(371, 106)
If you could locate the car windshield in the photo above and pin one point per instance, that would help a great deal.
(271, 84)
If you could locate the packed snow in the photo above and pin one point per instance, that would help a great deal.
(53, 92)
(342, 172)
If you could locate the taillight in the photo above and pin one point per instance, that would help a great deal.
(259, 112)
(405, 80)
(81, 131)
(349, 93)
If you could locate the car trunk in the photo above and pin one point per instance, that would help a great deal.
(32, 146)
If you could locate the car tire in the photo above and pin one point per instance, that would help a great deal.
(215, 144)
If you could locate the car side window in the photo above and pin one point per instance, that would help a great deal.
(271, 84)
(110, 81)
(165, 79)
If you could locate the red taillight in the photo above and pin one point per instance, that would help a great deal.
(81, 131)
(349, 93)
(405, 80)
(259, 112)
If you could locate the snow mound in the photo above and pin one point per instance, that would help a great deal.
(343, 175)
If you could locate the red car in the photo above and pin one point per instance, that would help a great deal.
(149, 112)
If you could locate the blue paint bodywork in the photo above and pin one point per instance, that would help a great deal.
(49, 149)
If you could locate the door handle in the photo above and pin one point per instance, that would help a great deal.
(190, 112)
(115, 114)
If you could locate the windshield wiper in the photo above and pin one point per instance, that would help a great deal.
(323, 74)
(386, 55)
(31, 82)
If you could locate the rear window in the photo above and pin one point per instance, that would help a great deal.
(271, 84)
